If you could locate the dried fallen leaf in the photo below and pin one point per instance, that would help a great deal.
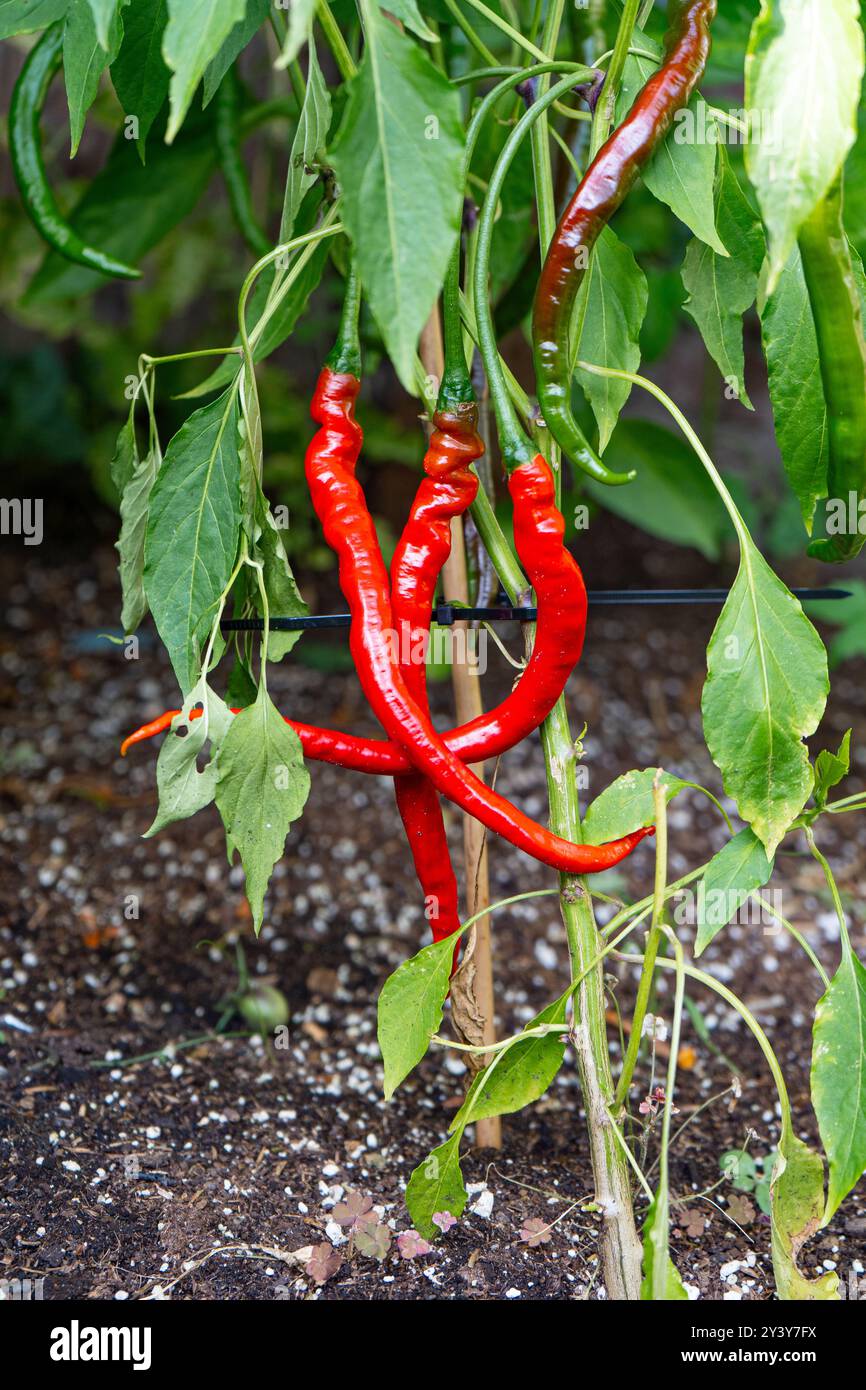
(535, 1231)
(444, 1220)
(693, 1222)
(410, 1244)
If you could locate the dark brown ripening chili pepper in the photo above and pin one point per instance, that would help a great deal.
(599, 195)
(25, 148)
(348, 527)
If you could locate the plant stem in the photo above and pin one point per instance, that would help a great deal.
(646, 978)
(539, 137)
(508, 29)
(337, 44)
(604, 112)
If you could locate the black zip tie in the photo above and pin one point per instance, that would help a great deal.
(446, 614)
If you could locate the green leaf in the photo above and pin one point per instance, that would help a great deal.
(26, 16)
(308, 143)
(192, 532)
(661, 1281)
(765, 692)
(732, 875)
(850, 616)
(134, 512)
(627, 805)
(183, 789)
(796, 388)
(410, 1010)
(299, 31)
(284, 598)
(103, 12)
(722, 288)
(671, 497)
(128, 208)
(831, 769)
(796, 1204)
(138, 72)
(609, 315)
(436, 1185)
(839, 1077)
(194, 35)
(262, 786)
(398, 159)
(682, 173)
(407, 11)
(85, 58)
(125, 460)
(520, 1075)
(244, 31)
(806, 127)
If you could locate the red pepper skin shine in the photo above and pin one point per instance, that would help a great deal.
(600, 193)
(348, 528)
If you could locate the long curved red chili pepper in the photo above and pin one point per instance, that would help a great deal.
(446, 492)
(599, 195)
(348, 527)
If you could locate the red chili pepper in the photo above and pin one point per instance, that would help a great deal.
(599, 195)
(348, 527)
(446, 492)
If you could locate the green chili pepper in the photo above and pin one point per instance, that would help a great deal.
(838, 315)
(25, 147)
(228, 142)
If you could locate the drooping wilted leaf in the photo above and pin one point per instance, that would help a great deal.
(839, 1077)
(796, 1205)
(183, 789)
(134, 509)
(410, 1010)
(437, 1186)
(608, 318)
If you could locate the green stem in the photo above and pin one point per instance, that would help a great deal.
(798, 937)
(471, 34)
(542, 167)
(345, 356)
(508, 29)
(604, 112)
(646, 979)
(337, 44)
(831, 884)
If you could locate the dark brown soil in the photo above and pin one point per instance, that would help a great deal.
(199, 1170)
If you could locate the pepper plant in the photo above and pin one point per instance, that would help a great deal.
(479, 153)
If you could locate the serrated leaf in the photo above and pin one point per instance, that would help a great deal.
(398, 159)
(194, 35)
(262, 787)
(681, 174)
(671, 497)
(766, 689)
(831, 769)
(608, 318)
(519, 1076)
(27, 16)
(134, 508)
(410, 1010)
(796, 1204)
(436, 1185)
(661, 1281)
(732, 875)
(139, 73)
(806, 127)
(85, 58)
(244, 31)
(722, 288)
(627, 805)
(192, 532)
(839, 1077)
(183, 789)
(314, 123)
